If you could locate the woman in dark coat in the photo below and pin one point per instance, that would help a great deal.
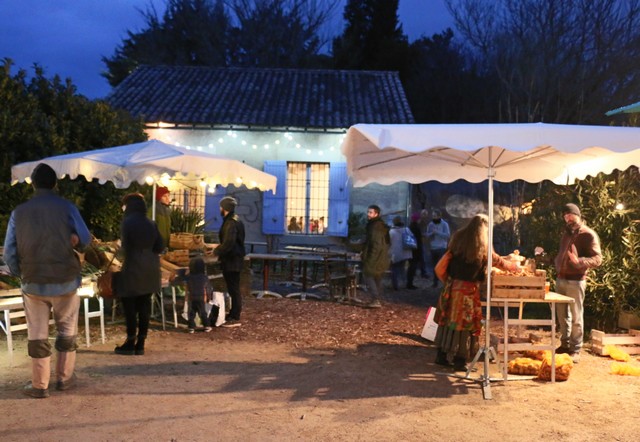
(140, 276)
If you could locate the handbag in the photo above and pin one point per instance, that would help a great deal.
(409, 241)
(442, 266)
(108, 282)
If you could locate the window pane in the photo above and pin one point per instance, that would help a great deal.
(307, 198)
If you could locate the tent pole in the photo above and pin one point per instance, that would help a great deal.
(153, 201)
(486, 351)
(486, 385)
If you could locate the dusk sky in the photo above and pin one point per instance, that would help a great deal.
(69, 37)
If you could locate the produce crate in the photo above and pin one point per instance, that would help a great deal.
(189, 241)
(629, 342)
(179, 257)
(511, 286)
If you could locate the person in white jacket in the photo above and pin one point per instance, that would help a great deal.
(438, 233)
(398, 254)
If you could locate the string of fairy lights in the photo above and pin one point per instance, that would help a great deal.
(281, 140)
(246, 139)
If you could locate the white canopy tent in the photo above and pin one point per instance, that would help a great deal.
(386, 154)
(150, 162)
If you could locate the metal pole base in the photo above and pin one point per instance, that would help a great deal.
(484, 379)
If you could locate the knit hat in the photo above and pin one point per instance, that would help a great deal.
(228, 203)
(160, 192)
(44, 177)
(571, 208)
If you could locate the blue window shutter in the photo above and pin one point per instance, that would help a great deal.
(339, 188)
(273, 206)
(212, 217)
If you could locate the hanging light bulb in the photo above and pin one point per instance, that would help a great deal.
(165, 179)
(203, 183)
(148, 180)
(239, 180)
(211, 190)
(619, 206)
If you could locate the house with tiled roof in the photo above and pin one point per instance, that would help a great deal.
(287, 122)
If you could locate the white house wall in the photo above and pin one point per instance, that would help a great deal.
(254, 147)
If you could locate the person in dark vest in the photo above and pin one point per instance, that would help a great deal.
(231, 253)
(39, 248)
(140, 275)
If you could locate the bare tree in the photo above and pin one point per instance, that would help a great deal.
(563, 61)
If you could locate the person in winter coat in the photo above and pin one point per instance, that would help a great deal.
(438, 233)
(163, 213)
(398, 254)
(579, 251)
(141, 245)
(416, 261)
(375, 255)
(231, 253)
(199, 290)
(42, 234)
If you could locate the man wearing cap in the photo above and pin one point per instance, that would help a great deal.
(39, 248)
(163, 213)
(231, 253)
(579, 251)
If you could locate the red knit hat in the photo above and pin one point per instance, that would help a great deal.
(160, 192)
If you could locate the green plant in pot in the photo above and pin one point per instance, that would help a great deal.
(191, 221)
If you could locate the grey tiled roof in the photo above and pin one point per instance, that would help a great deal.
(262, 97)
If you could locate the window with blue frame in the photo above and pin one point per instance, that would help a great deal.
(310, 199)
(307, 198)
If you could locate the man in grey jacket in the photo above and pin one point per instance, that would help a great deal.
(39, 248)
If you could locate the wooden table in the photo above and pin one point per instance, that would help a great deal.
(551, 299)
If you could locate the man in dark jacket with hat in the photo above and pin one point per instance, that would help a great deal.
(231, 253)
(39, 248)
(579, 251)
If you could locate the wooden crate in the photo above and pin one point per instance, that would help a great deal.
(629, 342)
(526, 287)
(187, 241)
(178, 257)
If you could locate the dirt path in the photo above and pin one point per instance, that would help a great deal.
(311, 371)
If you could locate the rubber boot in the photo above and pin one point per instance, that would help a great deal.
(40, 372)
(441, 358)
(128, 348)
(65, 365)
(139, 349)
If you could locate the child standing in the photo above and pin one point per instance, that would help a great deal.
(198, 290)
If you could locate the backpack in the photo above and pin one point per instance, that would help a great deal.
(409, 241)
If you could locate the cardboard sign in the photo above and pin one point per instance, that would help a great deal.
(430, 327)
